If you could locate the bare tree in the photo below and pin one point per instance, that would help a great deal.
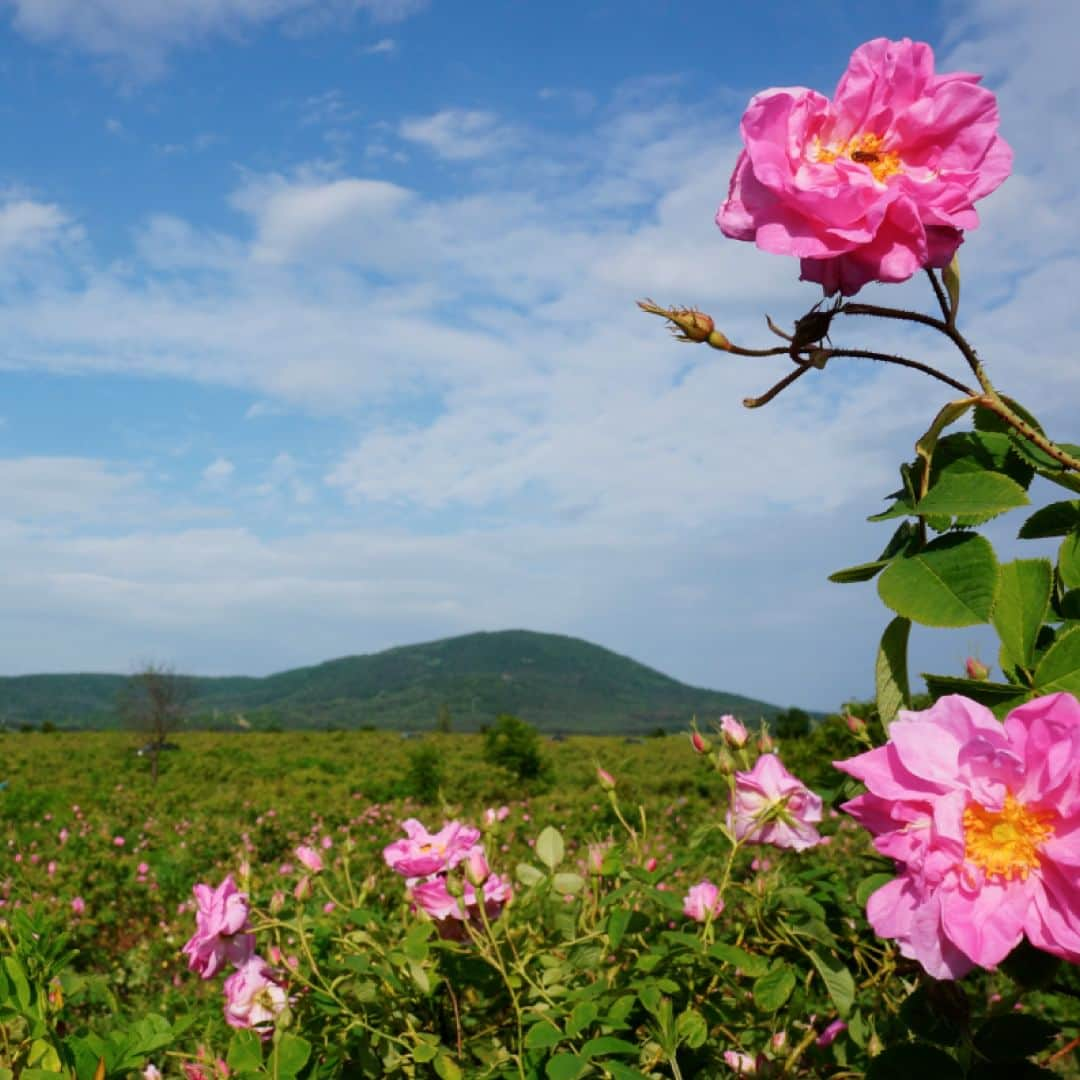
(155, 703)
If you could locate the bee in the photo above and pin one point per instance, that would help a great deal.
(865, 157)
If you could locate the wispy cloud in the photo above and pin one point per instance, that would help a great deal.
(459, 134)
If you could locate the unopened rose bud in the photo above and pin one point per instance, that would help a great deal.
(303, 888)
(607, 781)
(277, 901)
(699, 742)
(855, 724)
(689, 324)
(976, 670)
(765, 743)
(476, 867)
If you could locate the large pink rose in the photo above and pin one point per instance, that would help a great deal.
(253, 998)
(220, 924)
(875, 184)
(424, 853)
(983, 820)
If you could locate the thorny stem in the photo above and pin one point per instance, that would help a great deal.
(783, 384)
(939, 292)
(903, 361)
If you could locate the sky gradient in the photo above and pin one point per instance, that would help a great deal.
(318, 332)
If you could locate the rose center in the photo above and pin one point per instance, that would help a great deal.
(863, 150)
(1005, 842)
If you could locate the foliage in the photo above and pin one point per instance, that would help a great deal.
(426, 775)
(514, 745)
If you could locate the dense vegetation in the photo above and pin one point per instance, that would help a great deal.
(554, 682)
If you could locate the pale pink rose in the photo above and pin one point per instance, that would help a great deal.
(875, 184)
(743, 1064)
(78, 905)
(118, 841)
(310, 858)
(221, 922)
(733, 731)
(773, 807)
(983, 820)
(703, 901)
(252, 998)
(151, 1072)
(424, 853)
(492, 815)
(434, 898)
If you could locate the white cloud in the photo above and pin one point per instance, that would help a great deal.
(138, 35)
(218, 473)
(459, 134)
(39, 489)
(27, 226)
(384, 47)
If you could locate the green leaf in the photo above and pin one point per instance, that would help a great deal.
(1059, 669)
(989, 421)
(947, 414)
(528, 875)
(581, 1018)
(425, 1050)
(1023, 600)
(870, 885)
(745, 962)
(568, 884)
(1057, 519)
(990, 694)
(950, 278)
(608, 1044)
(914, 1059)
(838, 982)
(937, 1012)
(890, 671)
(692, 1029)
(543, 1035)
(960, 492)
(951, 582)
(565, 1067)
(1069, 561)
(289, 1056)
(773, 988)
(623, 1072)
(447, 1068)
(617, 923)
(550, 847)
(245, 1052)
(1031, 968)
(1014, 1036)
(862, 572)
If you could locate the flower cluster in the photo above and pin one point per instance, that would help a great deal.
(770, 806)
(983, 820)
(875, 184)
(426, 860)
(253, 998)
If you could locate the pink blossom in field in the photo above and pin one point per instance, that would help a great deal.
(302, 889)
(252, 998)
(327, 843)
(773, 807)
(144, 868)
(733, 731)
(435, 899)
(698, 742)
(118, 841)
(983, 821)
(743, 1064)
(220, 925)
(50, 869)
(607, 781)
(650, 864)
(703, 902)
(310, 858)
(63, 836)
(424, 853)
(875, 184)
(78, 905)
(151, 1072)
(491, 815)
(328, 907)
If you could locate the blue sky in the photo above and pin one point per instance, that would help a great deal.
(319, 333)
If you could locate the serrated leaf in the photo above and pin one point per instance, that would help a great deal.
(773, 988)
(951, 582)
(565, 1067)
(447, 1068)
(744, 962)
(543, 1035)
(617, 923)
(245, 1052)
(550, 847)
(958, 492)
(838, 982)
(862, 572)
(1059, 669)
(1068, 564)
(891, 688)
(692, 1029)
(1057, 519)
(528, 875)
(1023, 599)
(987, 420)
(290, 1056)
(607, 1044)
(990, 694)
(568, 884)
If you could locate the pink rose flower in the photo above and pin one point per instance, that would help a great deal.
(773, 807)
(252, 998)
(743, 1064)
(983, 820)
(434, 898)
(310, 858)
(875, 184)
(734, 732)
(830, 1034)
(78, 905)
(220, 922)
(703, 902)
(426, 853)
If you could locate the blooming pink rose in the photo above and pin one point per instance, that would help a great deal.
(743, 1064)
(773, 807)
(733, 730)
(875, 184)
(252, 998)
(434, 898)
(426, 853)
(703, 901)
(78, 905)
(983, 819)
(310, 858)
(220, 922)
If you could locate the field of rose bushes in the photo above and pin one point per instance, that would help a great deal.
(599, 952)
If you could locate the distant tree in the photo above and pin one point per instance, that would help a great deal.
(514, 745)
(444, 722)
(425, 775)
(155, 702)
(791, 723)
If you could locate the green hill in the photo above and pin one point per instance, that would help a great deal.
(557, 683)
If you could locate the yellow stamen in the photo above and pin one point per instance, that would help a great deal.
(863, 150)
(1005, 843)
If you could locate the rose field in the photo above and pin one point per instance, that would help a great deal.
(891, 892)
